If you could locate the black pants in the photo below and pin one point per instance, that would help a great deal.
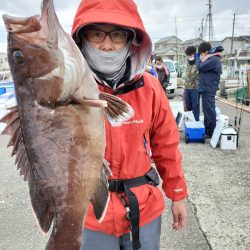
(208, 105)
(192, 102)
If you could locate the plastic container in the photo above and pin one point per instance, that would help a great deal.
(224, 119)
(194, 131)
(6, 96)
(2, 91)
(9, 86)
(228, 139)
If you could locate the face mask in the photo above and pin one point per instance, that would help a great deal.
(191, 58)
(159, 66)
(105, 62)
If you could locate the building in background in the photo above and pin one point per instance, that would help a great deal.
(169, 48)
(197, 41)
(4, 66)
(216, 43)
(191, 42)
(238, 43)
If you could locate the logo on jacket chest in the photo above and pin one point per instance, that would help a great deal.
(140, 121)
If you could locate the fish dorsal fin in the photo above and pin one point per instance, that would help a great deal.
(117, 111)
(49, 16)
(41, 207)
(13, 129)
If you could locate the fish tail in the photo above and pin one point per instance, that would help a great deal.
(117, 111)
(100, 198)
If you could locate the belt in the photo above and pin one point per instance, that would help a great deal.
(133, 213)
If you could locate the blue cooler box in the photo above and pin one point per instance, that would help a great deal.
(194, 132)
(2, 90)
(8, 86)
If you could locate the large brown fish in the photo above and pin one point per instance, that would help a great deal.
(57, 129)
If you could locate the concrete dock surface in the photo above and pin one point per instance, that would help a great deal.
(218, 204)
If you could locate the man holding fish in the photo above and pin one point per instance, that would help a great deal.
(113, 40)
(65, 148)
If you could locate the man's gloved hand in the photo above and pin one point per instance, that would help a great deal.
(196, 56)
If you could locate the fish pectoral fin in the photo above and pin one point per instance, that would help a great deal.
(117, 111)
(90, 102)
(42, 208)
(100, 198)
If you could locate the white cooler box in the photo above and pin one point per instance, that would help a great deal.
(228, 138)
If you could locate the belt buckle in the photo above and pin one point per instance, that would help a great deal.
(114, 185)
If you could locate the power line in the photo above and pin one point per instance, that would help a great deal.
(192, 20)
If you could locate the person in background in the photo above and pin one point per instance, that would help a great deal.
(209, 67)
(191, 96)
(116, 46)
(150, 69)
(162, 72)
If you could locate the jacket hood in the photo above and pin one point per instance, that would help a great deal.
(123, 13)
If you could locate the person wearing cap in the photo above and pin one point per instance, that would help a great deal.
(113, 40)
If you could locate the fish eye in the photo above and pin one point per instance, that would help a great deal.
(18, 56)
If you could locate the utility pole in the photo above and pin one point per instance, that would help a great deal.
(232, 42)
(210, 22)
(176, 45)
(201, 29)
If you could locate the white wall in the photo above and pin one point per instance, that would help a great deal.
(236, 45)
(3, 62)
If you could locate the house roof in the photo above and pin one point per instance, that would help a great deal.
(247, 38)
(238, 38)
(165, 39)
(216, 43)
(165, 50)
(199, 40)
(192, 41)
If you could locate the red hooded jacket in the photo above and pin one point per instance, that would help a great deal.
(153, 127)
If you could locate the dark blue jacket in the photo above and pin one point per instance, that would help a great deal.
(209, 74)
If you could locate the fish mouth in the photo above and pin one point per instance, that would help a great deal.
(22, 25)
(38, 26)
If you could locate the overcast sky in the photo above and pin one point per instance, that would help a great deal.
(158, 16)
